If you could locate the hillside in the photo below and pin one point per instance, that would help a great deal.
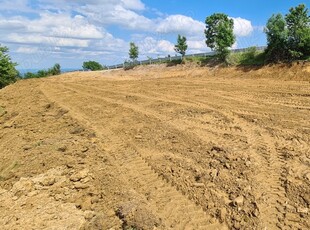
(157, 147)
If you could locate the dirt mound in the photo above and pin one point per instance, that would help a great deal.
(157, 147)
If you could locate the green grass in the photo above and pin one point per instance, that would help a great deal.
(202, 61)
(251, 57)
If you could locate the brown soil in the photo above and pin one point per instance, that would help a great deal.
(182, 147)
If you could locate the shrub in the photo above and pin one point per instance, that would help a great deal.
(92, 65)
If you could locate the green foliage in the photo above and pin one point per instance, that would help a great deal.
(181, 45)
(30, 75)
(219, 34)
(250, 56)
(92, 65)
(55, 70)
(298, 25)
(8, 73)
(288, 38)
(133, 51)
(277, 36)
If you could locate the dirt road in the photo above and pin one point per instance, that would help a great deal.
(157, 148)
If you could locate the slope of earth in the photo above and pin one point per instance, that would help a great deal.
(157, 148)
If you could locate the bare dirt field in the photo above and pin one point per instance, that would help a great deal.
(157, 148)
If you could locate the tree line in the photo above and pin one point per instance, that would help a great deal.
(288, 39)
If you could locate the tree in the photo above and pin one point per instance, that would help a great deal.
(298, 25)
(92, 65)
(8, 73)
(219, 34)
(277, 36)
(181, 45)
(133, 51)
(55, 70)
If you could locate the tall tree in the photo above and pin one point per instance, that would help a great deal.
(219, 34)
(277, 34)
(8, 73)
(133, 51)
(181, 45)
(298, 24)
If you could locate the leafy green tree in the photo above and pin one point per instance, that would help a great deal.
(92, 65)
(181, 45)
(219, 34)
(8, 73)
(298, 25)
(55, 70)
(277, 39)
(133, 51)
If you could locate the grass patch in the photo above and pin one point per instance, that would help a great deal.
(173, 63)
(251, 57)
(202, 61)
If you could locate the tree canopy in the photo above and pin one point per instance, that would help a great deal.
(181, 45)
(288, 38)
(298, 25)
(277, 35)
(8, 73)
(92, 65)
(219, 34)
(133, 51)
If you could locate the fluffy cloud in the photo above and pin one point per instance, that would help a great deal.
(180, 24)
(117, 15)
(242, 27)
(133, 4)
(150, 47)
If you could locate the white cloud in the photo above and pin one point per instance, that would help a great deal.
(78, 29)
(117, 15)
(242, 27)
(27, 50)
(15, 5)
(180, 24)
(133, 4)
(46, 40)
(150, 47)
(12, 24)
(197, 45)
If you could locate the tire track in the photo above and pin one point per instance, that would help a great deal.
(210, 125)
(261, 149)
(175, 209)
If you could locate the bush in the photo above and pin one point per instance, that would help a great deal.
(92, 65)
(250, 57)
(55, 70)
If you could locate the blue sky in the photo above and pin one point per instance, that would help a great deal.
(41, 33)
